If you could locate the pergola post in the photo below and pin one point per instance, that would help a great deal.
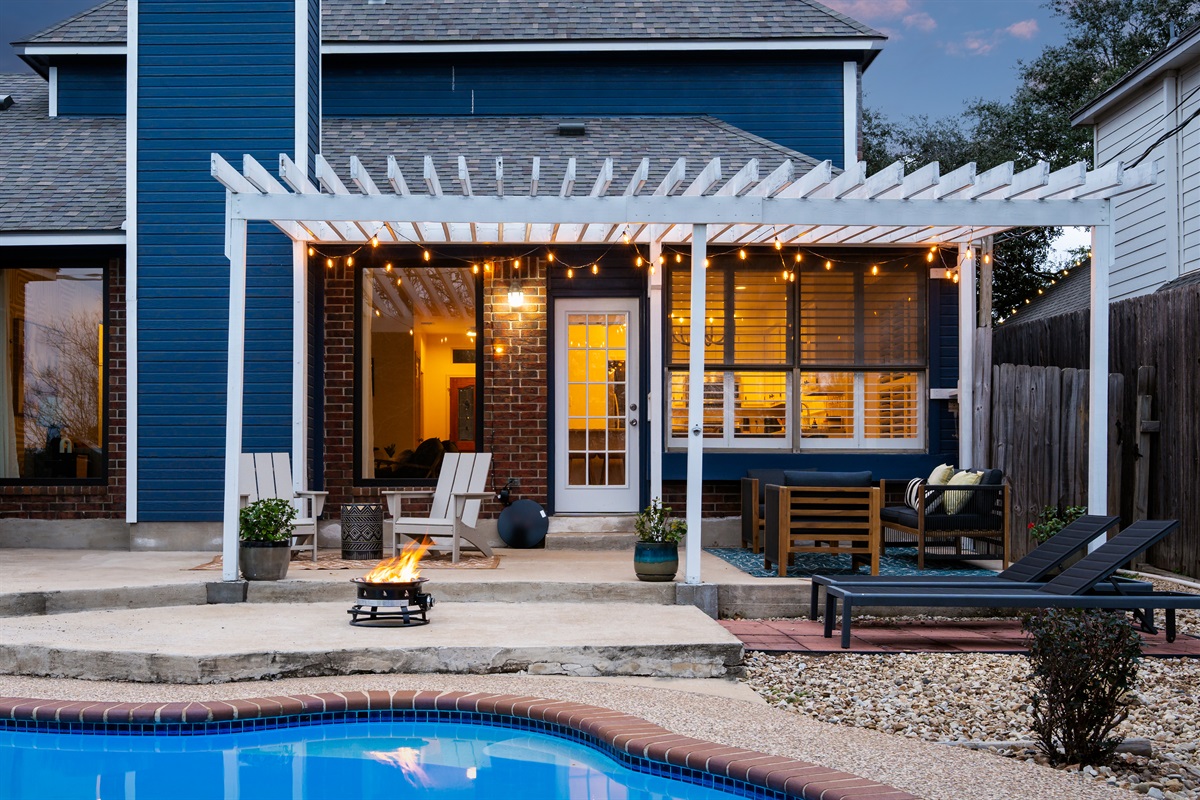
(695, 447)
(966, 356)
(1102, 259)
(654, 395)
(233, 397)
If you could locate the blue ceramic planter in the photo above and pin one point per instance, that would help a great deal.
(656, 561)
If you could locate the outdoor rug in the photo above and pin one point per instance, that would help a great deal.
(898, 561)
(334, 560)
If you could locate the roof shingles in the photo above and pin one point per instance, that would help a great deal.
(60, 173)
(349, 21)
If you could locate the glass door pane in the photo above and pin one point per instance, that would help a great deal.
(597, 355)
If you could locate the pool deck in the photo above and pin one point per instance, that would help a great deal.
(118, 617)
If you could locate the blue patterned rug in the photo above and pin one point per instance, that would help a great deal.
(898, 561)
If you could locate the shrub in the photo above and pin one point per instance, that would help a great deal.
(267, 520)
(1050, 521)
(1084, 661)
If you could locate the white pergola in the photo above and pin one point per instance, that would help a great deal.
(818, 207)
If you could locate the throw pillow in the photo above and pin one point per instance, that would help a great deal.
(956, 500)
(940, 475)
(912, 495)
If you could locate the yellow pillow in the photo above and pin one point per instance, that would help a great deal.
(940, 475)
(956, 500)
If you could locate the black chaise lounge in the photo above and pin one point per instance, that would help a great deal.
(1075, 587)
(1032, 569)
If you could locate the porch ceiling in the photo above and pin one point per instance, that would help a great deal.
(757, 204)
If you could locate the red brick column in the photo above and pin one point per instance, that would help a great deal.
(516, 420)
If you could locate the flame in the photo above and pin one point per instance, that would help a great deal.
(407, 759)
(403, 568)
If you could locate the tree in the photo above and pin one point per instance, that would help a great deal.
(1105, 39)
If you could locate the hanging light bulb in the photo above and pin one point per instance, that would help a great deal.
(426, 255)
(785, 274)
(778, 244)
(516, 295)
(828, 265)
(987, 259)
(399, 281)
(377, 312)
(349, 261)
(625, 237)
(947, 273)
(679, 258)
(956, 277)
(550, 257)
(707, 262)
(799, 257)
(662, 260)
(742, 255)
(792, 277)
(874, 269)
(474, 269)
(388, 266)
(329, 263)
(929, 256)
(637, 262)
(516, 263)
(374, 241)
(570, 272)
(311, 251)
(487, 266)
(595, 269)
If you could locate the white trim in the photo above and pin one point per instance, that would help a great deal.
(234, 397)
(56, 239)
(301, 126)
(72, 49)
(601, 46)
(53, 79)
(966, 356)
(849, 113)
(695, 448)
(299, 366)
(655, 399)
(1102, 261)
(1175, 56)
(131, 269)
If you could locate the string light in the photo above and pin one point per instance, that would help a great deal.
(474, 269)
(828, 265)
(625, 237)
(388, 266)
(678, 258)
(399, 281)
(550, 257)
(374, 241)
(778, 244)
(929, 256)
(742, 255)
(516, 263)
(426, 255)
(799, 257)
(595, 269)
(329, 263)
(662, 260)
(874, 269)
(638, 261)
(349, 261)
(311, 252)
(570, 272)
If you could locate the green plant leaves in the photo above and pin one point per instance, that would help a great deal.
(267, 520)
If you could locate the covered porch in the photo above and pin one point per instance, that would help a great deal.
(789, 206)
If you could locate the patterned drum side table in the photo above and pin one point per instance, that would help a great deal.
(362, 531)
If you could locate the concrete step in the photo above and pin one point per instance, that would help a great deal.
(250, 641)
(591, 523)
(591, 540)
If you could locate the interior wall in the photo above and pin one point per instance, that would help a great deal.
(439, 367)
(395, 419)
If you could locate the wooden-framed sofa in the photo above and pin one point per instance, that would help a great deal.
(822, 512)
(754, 504)
(977, 528)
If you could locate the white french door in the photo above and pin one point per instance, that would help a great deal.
(597, 405)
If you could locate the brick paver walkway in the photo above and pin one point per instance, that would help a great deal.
(914, 636)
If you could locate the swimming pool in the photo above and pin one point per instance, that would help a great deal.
(360, 760)
(312, 746)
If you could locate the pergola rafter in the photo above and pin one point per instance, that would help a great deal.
(851, 208)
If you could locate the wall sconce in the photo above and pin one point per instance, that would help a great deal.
(516, 296)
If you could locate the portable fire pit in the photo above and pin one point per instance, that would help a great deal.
(390, 594)
(394, 604)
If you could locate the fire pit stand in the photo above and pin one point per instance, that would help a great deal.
(390, 604)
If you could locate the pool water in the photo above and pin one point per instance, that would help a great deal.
(344, 760)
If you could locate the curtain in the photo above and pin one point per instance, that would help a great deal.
(9, 465)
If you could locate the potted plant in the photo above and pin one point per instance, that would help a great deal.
(656, 554)
(265, 530)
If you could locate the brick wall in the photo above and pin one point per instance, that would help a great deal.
(96, 501)
(515, 409)
(717, 498)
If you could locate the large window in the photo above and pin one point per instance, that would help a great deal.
(418, 368)
(52, 374)
(825, 353)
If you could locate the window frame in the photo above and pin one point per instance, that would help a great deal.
(107, 264)
(859, 368)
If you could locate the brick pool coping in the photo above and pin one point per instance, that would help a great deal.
(624, 733)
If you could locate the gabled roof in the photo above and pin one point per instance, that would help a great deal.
(102, 24)
(60, 173)
(518, 140)
(525, 20)
(1176, 54)
(1072, 293)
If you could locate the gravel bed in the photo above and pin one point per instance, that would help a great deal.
(983, 697)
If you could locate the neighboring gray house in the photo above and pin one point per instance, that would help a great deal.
(1151, 114)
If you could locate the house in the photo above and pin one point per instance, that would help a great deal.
(459, 231)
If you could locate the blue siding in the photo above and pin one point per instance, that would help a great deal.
(943, 367)
(218, 77)
(795, 101)
(314, 80)
(91, 88)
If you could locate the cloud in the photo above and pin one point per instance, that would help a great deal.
(1025, 29)
(921, 21)
(872, 10)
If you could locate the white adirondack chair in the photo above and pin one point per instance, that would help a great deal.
(455, 508)
(266, 475)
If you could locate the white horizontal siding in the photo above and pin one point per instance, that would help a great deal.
(1189, 226)
(1139, 235)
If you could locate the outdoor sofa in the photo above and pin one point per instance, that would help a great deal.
(956, 521)
(822, 512)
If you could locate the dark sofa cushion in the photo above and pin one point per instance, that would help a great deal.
(827, 479)
(773, 477)
(903, 515)
(992, 477)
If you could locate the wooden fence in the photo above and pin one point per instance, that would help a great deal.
(1160, 330)
(1039, 437)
